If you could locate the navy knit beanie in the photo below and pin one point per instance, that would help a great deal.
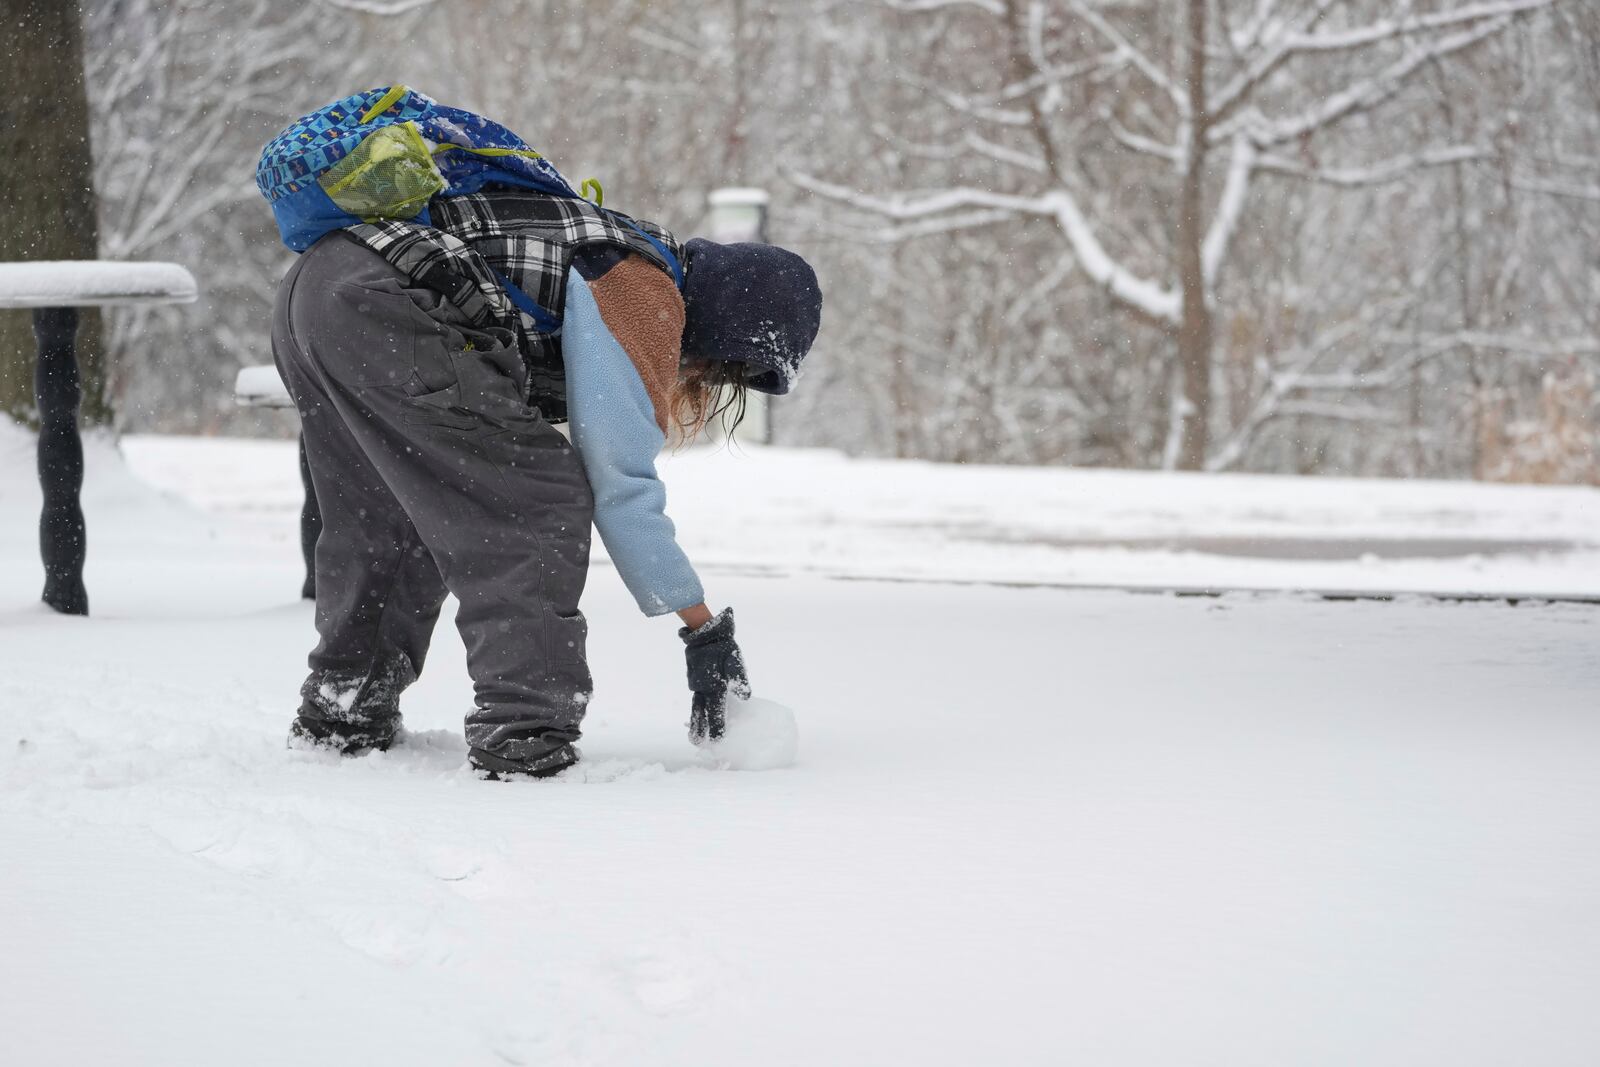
(754, 304)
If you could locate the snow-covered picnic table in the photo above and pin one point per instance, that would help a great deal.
(55, 289)
(93, 283)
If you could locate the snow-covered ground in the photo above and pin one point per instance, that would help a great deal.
(780, 512)
(1028, 825)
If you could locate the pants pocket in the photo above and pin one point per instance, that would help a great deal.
(441, 407)
(442, 348)
(477, 372)
(368, 336)
(569, 636)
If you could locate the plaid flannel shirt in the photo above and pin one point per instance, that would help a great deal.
(527, 238)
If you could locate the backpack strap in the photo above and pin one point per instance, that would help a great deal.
(527, 305)
(659, 245)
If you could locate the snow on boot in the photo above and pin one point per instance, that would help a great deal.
(352, 741)
(352, 713)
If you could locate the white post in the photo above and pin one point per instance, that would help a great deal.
(741, 215)
(738, 215)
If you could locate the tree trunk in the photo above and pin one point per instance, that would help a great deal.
(1195, 338)
(47, 201)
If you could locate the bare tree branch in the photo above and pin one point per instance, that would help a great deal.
(1564, 190)
(1367, 93)
(993, 7)
(1390, 29)
(1388, 170)
(382, 8)
(1140, 61)
(1149, 146)
(1265, 63)
(1230, 208)
(1148, 298)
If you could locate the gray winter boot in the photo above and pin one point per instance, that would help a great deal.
(352, 713)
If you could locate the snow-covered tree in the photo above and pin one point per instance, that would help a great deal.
(46, 183)
(1142, 131)
(183, 94)
(1297, 235)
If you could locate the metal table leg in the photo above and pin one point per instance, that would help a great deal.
(62, 538)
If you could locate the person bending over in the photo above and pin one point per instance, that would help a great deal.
(427, 410)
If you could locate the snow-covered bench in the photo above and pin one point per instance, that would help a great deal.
(260, 387)
(55, 290)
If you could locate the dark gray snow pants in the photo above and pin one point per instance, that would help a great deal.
(432, 474)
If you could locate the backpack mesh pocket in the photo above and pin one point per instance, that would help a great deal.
(389, 175)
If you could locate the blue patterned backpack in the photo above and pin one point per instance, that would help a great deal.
(383, 154)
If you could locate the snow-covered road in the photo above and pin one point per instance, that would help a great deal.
(1030, 826)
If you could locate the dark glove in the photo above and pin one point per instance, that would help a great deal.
(716, 668)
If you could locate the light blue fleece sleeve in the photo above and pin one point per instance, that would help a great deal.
(614, 429)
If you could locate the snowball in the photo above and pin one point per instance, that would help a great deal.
(761, 735)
